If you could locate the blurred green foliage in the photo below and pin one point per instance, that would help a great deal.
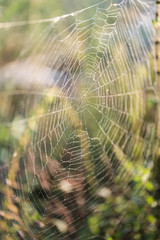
(114, 212)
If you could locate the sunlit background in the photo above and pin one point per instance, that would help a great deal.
(79, 154)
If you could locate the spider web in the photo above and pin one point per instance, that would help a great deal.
(80, 127)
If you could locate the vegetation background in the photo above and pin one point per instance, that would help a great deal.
(120, 214)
